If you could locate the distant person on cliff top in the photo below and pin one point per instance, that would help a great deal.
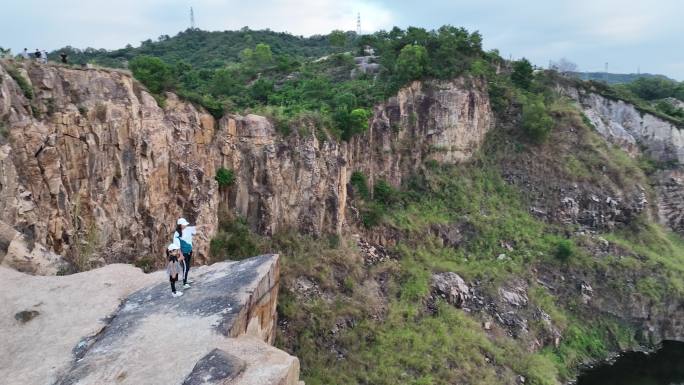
(174, 267)
(45, 57)
(25, 55)
(64, 58)
(183, 238)
(37, 55)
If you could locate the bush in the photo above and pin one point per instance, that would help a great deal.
(21, 81)
(225, 177)
(145, 264)
(384, 193)
(536, 121)
(156, 75)
(522, 74)
(565, 249)
(372, 215)
(360, 184)
(233, 241)
(411, 62)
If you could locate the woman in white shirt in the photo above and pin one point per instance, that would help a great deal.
(183, 238)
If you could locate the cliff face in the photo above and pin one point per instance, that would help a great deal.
(94, 167)
(627, 127)
(92, 160)
(634, 131)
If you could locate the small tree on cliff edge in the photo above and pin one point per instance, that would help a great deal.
(156, 75)
(523, 74)
(411, 62)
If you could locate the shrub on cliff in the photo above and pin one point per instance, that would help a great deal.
(360, 184)
(225, 177)
(411, 62)
(156, 75)
(522, 74)
(536, 121)
(21, 81)
(564, 250)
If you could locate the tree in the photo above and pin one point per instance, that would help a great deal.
(536, 121)
(653, 88)
(261, 89)
(411, 62)
(563, 66)
(337, 39)
(522, 74)
(263, 55)
(156, 75)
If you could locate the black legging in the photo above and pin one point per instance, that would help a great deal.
(186, 266)
(173, 283)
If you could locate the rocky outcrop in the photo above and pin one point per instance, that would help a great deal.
(636, 131)
(95, 170)
(670, 189)
(626, 126)
(118, 325)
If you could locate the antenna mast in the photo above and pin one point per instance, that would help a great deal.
(358, 23)
(192, 19)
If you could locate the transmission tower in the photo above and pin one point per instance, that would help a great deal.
(192, 19)
(358, 23)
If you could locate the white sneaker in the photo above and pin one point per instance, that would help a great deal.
(186, 286)
(177, 294)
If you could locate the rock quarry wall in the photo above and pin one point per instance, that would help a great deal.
(636, 131)
(92, 168)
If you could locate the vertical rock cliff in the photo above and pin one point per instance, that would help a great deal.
(639, 132)
(94, 169)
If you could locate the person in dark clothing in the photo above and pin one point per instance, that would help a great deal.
(37, 54)
(63, 57)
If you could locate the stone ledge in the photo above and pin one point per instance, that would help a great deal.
(118, 325)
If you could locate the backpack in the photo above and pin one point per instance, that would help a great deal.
(184, 246)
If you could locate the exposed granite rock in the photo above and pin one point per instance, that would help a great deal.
(93, 160)
(623, 124)
(98, 338)
(670, 189)
(102, 164)
(636, 131)
(451, 287)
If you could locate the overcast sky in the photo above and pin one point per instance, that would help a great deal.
(626, 34)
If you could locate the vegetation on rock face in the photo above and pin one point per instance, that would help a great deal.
(225, 177)
(21, 81)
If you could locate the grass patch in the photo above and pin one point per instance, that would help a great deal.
(22, 82)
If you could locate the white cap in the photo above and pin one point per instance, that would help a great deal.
(182, 221)
(173, 247)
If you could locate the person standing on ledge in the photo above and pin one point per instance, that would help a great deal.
(37, 55)
(63, 56)
(183, 238)
(173, 267)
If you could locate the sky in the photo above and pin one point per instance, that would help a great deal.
(628, 35)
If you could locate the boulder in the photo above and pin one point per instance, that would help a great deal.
(451, 287)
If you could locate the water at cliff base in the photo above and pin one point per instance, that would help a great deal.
(663, 367)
